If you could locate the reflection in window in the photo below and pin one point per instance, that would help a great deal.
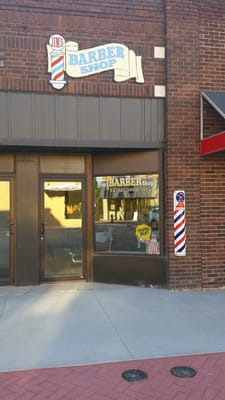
(127, 213)
(65, 200)
(73, 203)
(4, 229)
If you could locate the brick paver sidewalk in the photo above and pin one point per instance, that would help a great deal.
(104, 381)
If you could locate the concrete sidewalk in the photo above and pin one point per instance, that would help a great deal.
(78, 323)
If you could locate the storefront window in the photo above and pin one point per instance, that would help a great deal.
(127, 213)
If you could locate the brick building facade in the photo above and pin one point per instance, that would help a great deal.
(57, 145)
(195, 54)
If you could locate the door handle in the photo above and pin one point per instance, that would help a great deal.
(12, 229)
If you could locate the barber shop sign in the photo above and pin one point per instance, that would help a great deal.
(64, 57)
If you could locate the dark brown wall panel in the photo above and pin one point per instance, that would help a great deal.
(27, 244)
(108, 164)
(123, 269)
(21, 111)
(57, 120)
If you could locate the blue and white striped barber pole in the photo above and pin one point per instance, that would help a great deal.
(179, 223)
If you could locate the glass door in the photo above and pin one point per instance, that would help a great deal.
(61, 229)
(6, 231)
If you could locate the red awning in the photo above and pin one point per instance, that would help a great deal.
(212, 144)
(216, 142)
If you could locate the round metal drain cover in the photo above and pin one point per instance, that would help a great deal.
(183, 372)
(134, 375)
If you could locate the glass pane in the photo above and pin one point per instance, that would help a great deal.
(63, 228)
(4, 229)
(127, 213)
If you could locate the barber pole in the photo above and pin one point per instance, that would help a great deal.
(179, 223)
(57, 56)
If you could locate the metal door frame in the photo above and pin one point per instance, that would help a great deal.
(62, 178)
(12, 230)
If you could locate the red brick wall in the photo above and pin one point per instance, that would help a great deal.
(26, 27)
(212, 168)
(183, 137)
(196, 62)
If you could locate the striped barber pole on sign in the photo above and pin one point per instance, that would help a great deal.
(179, 223)
(57, 67)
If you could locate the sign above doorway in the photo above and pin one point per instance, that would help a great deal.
(65, 57)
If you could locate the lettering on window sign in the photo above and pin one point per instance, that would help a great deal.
(128, 181)
(143, 231)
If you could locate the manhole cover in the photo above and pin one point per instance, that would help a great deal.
(134, 375)
(183, 372)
